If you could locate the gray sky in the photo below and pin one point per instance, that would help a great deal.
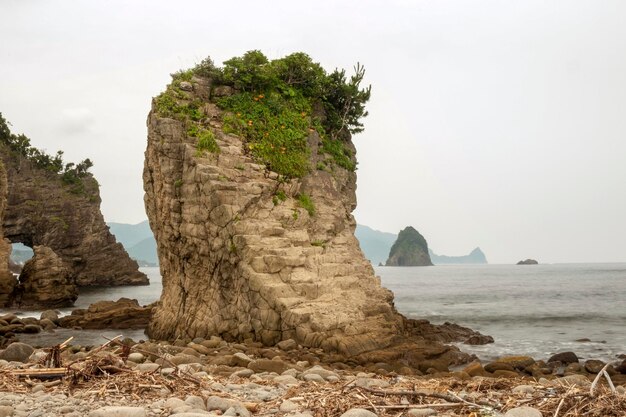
(497, 124)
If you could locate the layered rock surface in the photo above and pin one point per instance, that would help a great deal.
(42, 210)
(7, 280)
(240, 263)
(45, 281)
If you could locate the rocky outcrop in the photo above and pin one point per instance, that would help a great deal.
(46, 208)
(7, 279)
(242, 256)
(237, 265)
(410, 249)
(528, 262)
(121, 314)
(45, 281)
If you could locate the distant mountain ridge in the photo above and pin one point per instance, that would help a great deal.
(474, 257)
(376, 246)
(138, 241)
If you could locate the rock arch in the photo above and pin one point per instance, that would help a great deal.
(41, 210)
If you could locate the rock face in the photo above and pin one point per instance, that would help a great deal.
(246, 253)
(121, 314)
(239, 262)
(7, 280)
(45, 281)
(528, 262)
(43, 210)
(237, 265)
(410, 249)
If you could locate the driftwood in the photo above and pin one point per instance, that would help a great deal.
(450, 396)
(44, 373)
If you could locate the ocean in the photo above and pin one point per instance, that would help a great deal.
(534, 310)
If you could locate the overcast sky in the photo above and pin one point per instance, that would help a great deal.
(498, 124)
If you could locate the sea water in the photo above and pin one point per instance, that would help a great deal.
(535, 310)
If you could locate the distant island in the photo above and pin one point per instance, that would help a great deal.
(474, 257)
(376, 246)
(410, 249)
(528, 262)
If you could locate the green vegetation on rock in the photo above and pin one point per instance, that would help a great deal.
(274, 105)
(305, 201)
(180, 105)
(71, 174)
(410, 249)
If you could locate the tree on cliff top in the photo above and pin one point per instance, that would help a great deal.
(297, 74)
(274, 105)
(71, 173)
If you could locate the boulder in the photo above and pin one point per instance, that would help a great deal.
(564, 358)
(358, 412)
(112, 411)
(523, 412)
(498, 366)
(268, 365)
(579, 380)
(45, 281)
(51, 315)
(17, 352)
(478, 339)
(594, 366)
(288, 344)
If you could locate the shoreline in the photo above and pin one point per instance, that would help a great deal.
(185, 379)
(209, 377)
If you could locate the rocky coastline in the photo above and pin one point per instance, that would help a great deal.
(212, 377)
(209, 377)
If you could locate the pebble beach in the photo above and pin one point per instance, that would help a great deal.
(212, 377)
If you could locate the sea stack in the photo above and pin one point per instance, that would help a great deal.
(46, 203)
(249, 252)
(410, 249)
(256, 238)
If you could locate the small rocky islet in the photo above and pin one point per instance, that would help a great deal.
(268, 306)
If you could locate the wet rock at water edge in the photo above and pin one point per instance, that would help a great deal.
(564, 358)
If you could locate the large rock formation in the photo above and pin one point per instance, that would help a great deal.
(237, 265)
(244, 255)
(7, 279)
(45, 281)
(45, 209)
(410, 249)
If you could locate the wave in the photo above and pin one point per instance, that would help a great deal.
(525, 319)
